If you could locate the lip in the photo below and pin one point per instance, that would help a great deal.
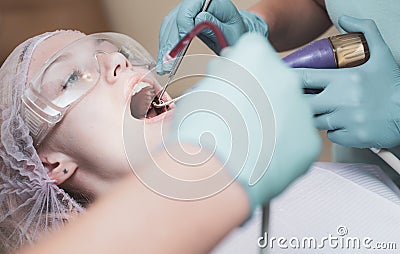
(167, 115)
(134, 81)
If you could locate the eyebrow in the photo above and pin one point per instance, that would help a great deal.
(62, 58)
(99, 41)
(57, 60)
(66, 56)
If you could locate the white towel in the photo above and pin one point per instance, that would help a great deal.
(358, 200)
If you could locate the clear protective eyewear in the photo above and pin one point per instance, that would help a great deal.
(70, 74)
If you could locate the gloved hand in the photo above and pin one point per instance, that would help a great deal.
(360, 106)
(253, 107)
(232, 22)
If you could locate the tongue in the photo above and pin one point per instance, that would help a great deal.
(141, 100)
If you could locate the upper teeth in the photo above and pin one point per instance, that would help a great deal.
(139, 87)
(142, 97)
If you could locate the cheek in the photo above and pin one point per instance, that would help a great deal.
(95, 123)
(142, 139)
(95, 140)
(103, 107)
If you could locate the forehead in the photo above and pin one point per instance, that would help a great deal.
(49, 47)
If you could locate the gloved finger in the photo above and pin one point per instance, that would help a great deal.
(159, 67)
(341, 137)
(207, 35)
(223, 10)
(359, 138)
(346, 138)
(168, 38)
(186, 15)
(205, 16)
(314, 78)
(327, 122)
(346, 132)
(164, 67)
(320, 104)
(366, 26)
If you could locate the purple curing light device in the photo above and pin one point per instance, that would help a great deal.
(340, 51)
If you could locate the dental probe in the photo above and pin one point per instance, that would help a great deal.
(177, 63)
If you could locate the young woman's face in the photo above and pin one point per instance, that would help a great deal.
(92, 130)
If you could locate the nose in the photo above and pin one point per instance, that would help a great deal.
(112, 65)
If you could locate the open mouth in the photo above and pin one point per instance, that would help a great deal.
(142, 101)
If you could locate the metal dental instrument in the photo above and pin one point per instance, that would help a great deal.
(176, 65)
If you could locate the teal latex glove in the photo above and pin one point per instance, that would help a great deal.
(250, 110)
(360, 106)
(232, 22)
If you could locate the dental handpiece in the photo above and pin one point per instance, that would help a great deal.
(341, 51)
(177, 63)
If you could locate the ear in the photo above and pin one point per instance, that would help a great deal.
(59, 166)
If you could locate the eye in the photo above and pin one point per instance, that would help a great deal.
(73, 78)
(124, 52)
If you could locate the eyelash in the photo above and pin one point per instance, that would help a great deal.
(75, 75)
(124, 53)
